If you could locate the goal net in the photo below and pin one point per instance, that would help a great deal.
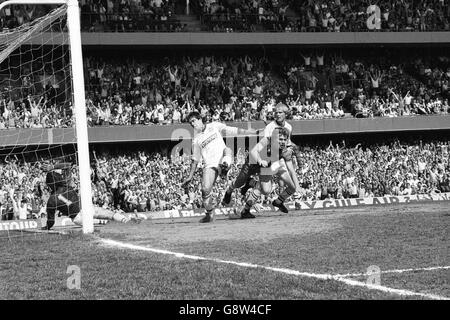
(42, 107)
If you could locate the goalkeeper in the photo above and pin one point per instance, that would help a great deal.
(65, 199)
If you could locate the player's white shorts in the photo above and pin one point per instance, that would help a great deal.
(216, 163)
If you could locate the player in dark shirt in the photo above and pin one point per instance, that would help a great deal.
(244, 179)
(273, 157)
(65, 199)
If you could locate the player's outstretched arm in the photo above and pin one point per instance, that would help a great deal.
(106, 214)
(57, 166)
(62, 165)
(247, 131)
(233, 131)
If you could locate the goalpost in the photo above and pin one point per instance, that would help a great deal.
(12, 40)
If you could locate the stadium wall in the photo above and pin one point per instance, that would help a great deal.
(111, 134)
(310, 205)
(253, 38)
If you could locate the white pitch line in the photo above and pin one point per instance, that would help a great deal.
(350, 282)
(394, 271)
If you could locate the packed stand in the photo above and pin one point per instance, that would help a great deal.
(374, 170)
(34, 112)
(14, 16)
(313, 85)
(151, 181)
(353, 16)
(163, 91)
(129, 16)
(35, 99)
(323, 15)
(243, 16)
(105, 15)
(250, 15)
(324, 86)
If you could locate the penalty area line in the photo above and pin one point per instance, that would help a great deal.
(350, 282)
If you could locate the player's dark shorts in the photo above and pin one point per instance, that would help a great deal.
(246, 172)
(248, 169)
(67, 202)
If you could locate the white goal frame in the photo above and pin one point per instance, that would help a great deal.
(79, 107)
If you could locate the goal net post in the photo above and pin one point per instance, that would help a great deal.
(11, 41)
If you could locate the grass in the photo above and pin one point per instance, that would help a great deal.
(121, 274)
(335, 242)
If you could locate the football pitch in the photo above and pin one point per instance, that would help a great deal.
(383, 252)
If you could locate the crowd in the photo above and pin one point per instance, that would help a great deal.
(251, 15)
(248, 16)
(351, 16)
(151, 181)
(34, 114)
(105, 15)
(324, 15)
(220, 87)
(243, 88)
(374, 170)
(159, 90)
(16, 15)
(129, 16)
(367, 87)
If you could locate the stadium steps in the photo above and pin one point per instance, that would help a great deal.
(191, 21)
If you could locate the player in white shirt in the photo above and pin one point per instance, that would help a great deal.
(243, 179)
(208, 145)
(279, 122)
